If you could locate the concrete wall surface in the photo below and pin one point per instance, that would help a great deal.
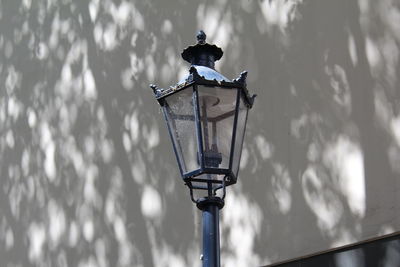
(87, 172)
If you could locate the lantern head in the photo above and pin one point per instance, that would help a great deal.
(206, 116)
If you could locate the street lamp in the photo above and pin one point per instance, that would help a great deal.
(206, 116)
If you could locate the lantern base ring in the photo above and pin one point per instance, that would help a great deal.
(205, 202)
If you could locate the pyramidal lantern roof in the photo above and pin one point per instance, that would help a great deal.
(202, 57)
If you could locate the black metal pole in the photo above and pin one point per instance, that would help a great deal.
(210, 207)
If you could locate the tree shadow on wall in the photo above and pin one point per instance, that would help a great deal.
(86, 179)
(331, 176)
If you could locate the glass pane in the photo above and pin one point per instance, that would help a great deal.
(179, 113)
(217, 112)
(240, 129)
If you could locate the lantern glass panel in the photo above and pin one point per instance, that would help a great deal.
(240, 130)
(180, 116)
(217, 111)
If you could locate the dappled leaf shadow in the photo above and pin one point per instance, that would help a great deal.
(88, 174)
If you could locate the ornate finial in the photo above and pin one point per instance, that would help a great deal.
(242, 78)
(194, 75)
(201, 37)
(156, 89)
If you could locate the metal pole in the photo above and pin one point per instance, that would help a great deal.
(210, 207)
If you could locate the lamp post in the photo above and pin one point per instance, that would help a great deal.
(206, 116)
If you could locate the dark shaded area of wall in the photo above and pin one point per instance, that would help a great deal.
(384, 252)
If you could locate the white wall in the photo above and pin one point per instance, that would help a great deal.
(88, 176)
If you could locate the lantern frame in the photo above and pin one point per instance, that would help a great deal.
(192, 82)
(202, 57)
